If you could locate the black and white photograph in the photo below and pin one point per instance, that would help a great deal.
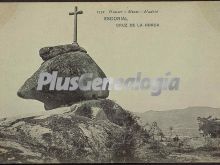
(110, 82)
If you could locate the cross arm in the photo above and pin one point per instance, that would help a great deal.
(78, 12)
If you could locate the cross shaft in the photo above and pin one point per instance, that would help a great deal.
(75, 13)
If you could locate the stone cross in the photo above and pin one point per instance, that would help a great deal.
(75, 23)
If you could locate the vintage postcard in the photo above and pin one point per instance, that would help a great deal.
(104, 82)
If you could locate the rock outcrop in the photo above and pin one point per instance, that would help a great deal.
(90, 131)
(69, 61)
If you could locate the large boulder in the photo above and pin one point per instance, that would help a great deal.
(69, 61)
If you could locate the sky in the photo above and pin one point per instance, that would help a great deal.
(186, 44)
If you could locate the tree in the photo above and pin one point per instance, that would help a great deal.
(209, 126)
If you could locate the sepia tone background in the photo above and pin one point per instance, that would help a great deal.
(186, 44)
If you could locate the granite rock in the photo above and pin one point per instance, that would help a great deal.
(70, 63)
(68, 135)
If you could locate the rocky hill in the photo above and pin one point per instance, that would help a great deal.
(89, 131)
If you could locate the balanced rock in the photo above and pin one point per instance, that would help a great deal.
(69, 61)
